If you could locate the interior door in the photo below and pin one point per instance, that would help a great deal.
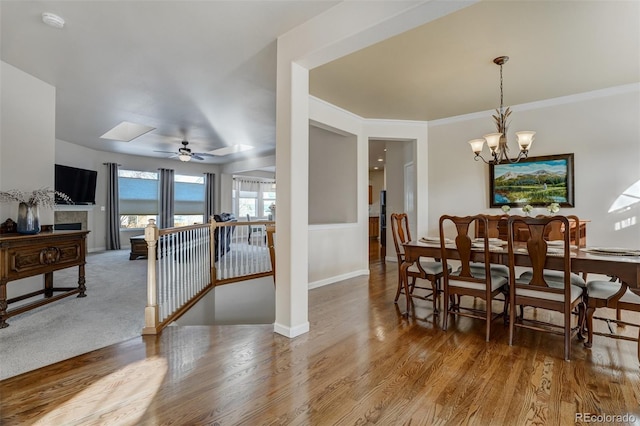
(410, 195)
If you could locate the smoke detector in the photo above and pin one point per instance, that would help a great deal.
(52, 20)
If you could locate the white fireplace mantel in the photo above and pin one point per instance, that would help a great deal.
(74, 207)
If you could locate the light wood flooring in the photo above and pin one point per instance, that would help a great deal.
(361, 363)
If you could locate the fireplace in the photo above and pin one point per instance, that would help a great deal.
(74, 226)
(70, 220)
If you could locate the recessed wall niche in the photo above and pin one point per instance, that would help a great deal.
(333, 183)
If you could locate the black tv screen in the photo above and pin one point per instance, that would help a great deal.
(78, 184)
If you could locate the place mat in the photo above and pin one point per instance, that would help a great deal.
(613, 251)
(491, 247)
(560, 243)
(551, 251)
(492, 241)
(435, 240)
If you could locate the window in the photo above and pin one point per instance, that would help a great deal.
(188, 200)
(253, 197)
(138, 198)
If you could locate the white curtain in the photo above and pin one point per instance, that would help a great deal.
(243, 184)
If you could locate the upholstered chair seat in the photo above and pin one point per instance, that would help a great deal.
(554, 277)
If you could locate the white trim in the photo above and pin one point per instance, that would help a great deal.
(579, 97)
(74, 207)
(326, 226)
(335, 279)
(291, 331)
(393, 259)
(392, 122)
(95, 249)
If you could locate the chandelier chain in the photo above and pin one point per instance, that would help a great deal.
(501, 93)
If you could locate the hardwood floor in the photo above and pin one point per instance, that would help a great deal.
(361, 363)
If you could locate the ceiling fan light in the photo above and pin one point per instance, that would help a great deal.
(184, 157)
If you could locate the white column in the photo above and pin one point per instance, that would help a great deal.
(292, 166)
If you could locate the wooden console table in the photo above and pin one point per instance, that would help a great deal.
(23, 256)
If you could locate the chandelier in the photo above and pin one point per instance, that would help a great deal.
(497, 142)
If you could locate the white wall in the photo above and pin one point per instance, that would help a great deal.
(28, 141)
(27, 137)
(600, 128)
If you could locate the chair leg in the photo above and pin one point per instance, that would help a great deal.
(581, 320)
(434, 295)
(413, 285)
(447, 304)
(488, 320)
(399, 286)
(512, 316)
(567, 335)
(505, 308)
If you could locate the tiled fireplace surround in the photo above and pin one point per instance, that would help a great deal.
(71, 217)
(74, 214)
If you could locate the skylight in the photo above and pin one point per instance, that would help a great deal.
(231, 149)
(127, 131)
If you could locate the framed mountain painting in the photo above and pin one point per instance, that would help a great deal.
(537, 181)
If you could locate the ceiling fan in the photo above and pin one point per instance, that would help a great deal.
(185, 154)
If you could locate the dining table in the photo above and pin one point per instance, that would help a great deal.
(624, 265)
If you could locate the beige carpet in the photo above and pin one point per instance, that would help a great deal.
(112, 312)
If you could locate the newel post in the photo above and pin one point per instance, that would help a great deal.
(151, 310)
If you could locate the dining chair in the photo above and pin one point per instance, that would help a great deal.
(255, 228)
(271, 229)
(492, 232)
(468, 281)
(426, 270)
(555, 232)
(613, 295)
(538, 291)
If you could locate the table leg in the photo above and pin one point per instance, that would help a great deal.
(81, 281)
(48, 284)
(3, 304)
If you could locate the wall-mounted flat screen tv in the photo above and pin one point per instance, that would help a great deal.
(78, 184)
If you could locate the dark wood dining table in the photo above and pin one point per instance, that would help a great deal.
(626, 268)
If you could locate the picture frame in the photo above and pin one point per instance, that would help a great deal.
(537, 181)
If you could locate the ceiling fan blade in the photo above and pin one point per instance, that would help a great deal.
(196, 156)
(166, 152)
(203, 154)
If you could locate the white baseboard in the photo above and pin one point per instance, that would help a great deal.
(92, 250)
(337, 278)
(393, 259)
(291, 332)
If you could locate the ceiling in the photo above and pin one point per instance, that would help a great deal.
(205, 71)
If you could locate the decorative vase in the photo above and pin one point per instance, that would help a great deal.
(28, 220)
